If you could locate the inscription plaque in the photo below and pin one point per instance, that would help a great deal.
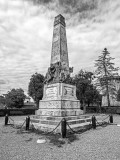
(68, 91)
(51, 92)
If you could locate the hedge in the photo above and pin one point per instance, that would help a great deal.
(16, 111)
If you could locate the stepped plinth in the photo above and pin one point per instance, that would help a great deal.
(59, 97)
(59, 100)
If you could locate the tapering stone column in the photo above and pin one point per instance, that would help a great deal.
(59, 44)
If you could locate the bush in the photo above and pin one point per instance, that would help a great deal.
(15, 98)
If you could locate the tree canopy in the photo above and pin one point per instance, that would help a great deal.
(86, 92)
(118, 95)
(15, 98)
(2, 99)
(35, 87)
(104, 73)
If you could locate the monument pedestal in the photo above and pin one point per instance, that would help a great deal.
(59, 101)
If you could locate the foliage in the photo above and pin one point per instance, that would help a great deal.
(2, 100)
(104, 73)
(92, 95)
(15, 98)
(85, 90)
(35, 87)
(118, 95)
(69, 80)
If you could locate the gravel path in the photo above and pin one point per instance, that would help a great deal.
(100, 144)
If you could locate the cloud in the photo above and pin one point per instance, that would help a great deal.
(71, 6)
(2, 81)
(26, 30)
(74, 10)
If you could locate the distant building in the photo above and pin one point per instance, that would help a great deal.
(27, 100)
(113, 101)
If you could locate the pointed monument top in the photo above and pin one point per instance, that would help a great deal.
(59, 65)
(59, 19)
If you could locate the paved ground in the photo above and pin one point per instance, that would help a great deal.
(100, 144)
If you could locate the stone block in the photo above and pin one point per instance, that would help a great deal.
(59, 100)
(59, 91)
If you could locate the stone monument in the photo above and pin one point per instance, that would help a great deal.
(59, 98)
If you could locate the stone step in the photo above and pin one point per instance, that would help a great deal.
(70, 120)
(75, 122)
(51, 122)
(48, 122)
(75, 127)
(67, 117)
(78, 121)
(78, 126)
(84, 125)
(58, 118)
(49, 128)
(45, 127)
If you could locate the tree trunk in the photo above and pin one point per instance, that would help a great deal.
(99, 108)
(37, 104)
(108, 96)
(107, 90)
(108, 99)
(84, 107)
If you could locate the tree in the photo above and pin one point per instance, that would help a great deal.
(85, 90)
(92, 95)
(15, 98)
(118, 95)
(104, 73)
(2, 100)
(35, 87)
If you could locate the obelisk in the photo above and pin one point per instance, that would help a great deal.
(59, 97)
(59, 44)
(59, 67)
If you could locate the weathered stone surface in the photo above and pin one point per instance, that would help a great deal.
(58, 119)
(59, 66)
(59, 112)
(59, 104)
(59, 91)
(59, 98)
(48, 126)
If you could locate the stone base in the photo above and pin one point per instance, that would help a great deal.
(59, 101)
(48, 124)
(59, 108)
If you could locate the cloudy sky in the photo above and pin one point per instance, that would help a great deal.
(26, 28)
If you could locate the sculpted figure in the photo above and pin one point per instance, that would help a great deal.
(50, 74)
(56, 74)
